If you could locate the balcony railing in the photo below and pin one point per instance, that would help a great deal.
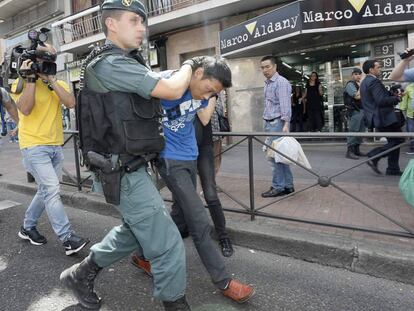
(80, 28)
(158, 7)
(88, 22)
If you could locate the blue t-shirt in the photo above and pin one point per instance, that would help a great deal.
(409, 75)
(178, 127)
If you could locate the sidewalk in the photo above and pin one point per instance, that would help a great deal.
(375, 254)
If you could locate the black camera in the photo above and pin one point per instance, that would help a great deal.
(19, 54)
(406, 54)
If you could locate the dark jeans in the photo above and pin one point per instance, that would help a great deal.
(189, 213)
(296, 124)
(205, 166)
(393, 156)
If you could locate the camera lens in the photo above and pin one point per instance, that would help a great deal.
(42, 37)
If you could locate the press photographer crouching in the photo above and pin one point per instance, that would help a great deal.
(39, 95)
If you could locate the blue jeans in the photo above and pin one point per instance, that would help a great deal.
(45, 164)
(282, 175)
(11, 125)
(410, 128)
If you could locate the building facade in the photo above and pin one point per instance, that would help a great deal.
(329, 37)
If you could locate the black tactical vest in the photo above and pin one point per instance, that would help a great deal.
(350, 102)
(117, 122)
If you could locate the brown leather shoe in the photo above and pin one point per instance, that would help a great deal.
(142, 264)
(238, 291)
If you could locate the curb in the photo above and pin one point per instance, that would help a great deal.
(379, 259)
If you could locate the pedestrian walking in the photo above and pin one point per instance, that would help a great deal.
(313, 100)
(206, 172)
(7, 102)
(379, 109)
(277, 114)
(407, 105)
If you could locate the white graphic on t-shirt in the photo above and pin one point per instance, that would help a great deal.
(184, 115)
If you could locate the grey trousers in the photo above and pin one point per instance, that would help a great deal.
(148, 229)
(189, 213)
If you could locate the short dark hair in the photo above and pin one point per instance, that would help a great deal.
(217, 68)
(367, 65)
(269, 57)
(116, 14)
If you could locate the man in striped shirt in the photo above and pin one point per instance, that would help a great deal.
(276, 115)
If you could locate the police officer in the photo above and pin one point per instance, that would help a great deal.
(147, 226)
(355, 114)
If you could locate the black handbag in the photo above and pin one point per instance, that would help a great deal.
(223, 123)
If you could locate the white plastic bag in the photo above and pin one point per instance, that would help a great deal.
(290, 147)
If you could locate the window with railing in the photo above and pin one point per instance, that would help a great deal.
(83, 27)
(80, 5)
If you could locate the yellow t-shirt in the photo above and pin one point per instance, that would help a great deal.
(43, 126)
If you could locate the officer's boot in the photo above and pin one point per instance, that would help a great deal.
(79, 279)
(350, 153)
(178, 305)
(358, 152)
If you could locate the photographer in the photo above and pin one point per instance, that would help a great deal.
(38, 98)
(400, 72)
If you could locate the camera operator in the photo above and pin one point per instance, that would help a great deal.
(38, 98)
(400, 72)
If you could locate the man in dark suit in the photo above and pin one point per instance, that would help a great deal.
(378, 106)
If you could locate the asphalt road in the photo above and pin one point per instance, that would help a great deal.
(29, 276)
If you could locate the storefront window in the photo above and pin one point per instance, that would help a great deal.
(334, 67)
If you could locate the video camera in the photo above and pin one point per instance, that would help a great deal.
(19, 54)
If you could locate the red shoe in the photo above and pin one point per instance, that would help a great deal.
(238, 291)
(141, 264)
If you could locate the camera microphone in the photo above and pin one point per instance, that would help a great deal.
(406, 54)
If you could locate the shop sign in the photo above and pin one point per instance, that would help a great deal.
(322, 14)
(315, 16)
(74, 64)
(272, 26)
(74, 74)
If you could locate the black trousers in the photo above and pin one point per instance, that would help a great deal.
(207, 174)
(393, 156)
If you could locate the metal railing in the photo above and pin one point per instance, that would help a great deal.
(90, 24)
(80, 28)
(252, 210)
(164, 6)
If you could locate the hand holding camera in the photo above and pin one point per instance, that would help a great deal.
(408, 54)
(26, 67)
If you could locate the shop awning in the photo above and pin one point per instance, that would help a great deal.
(314, 16)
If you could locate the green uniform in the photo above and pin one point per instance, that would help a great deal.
(147, 226)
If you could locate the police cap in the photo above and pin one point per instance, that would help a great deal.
(357, 71)
(128, 5)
